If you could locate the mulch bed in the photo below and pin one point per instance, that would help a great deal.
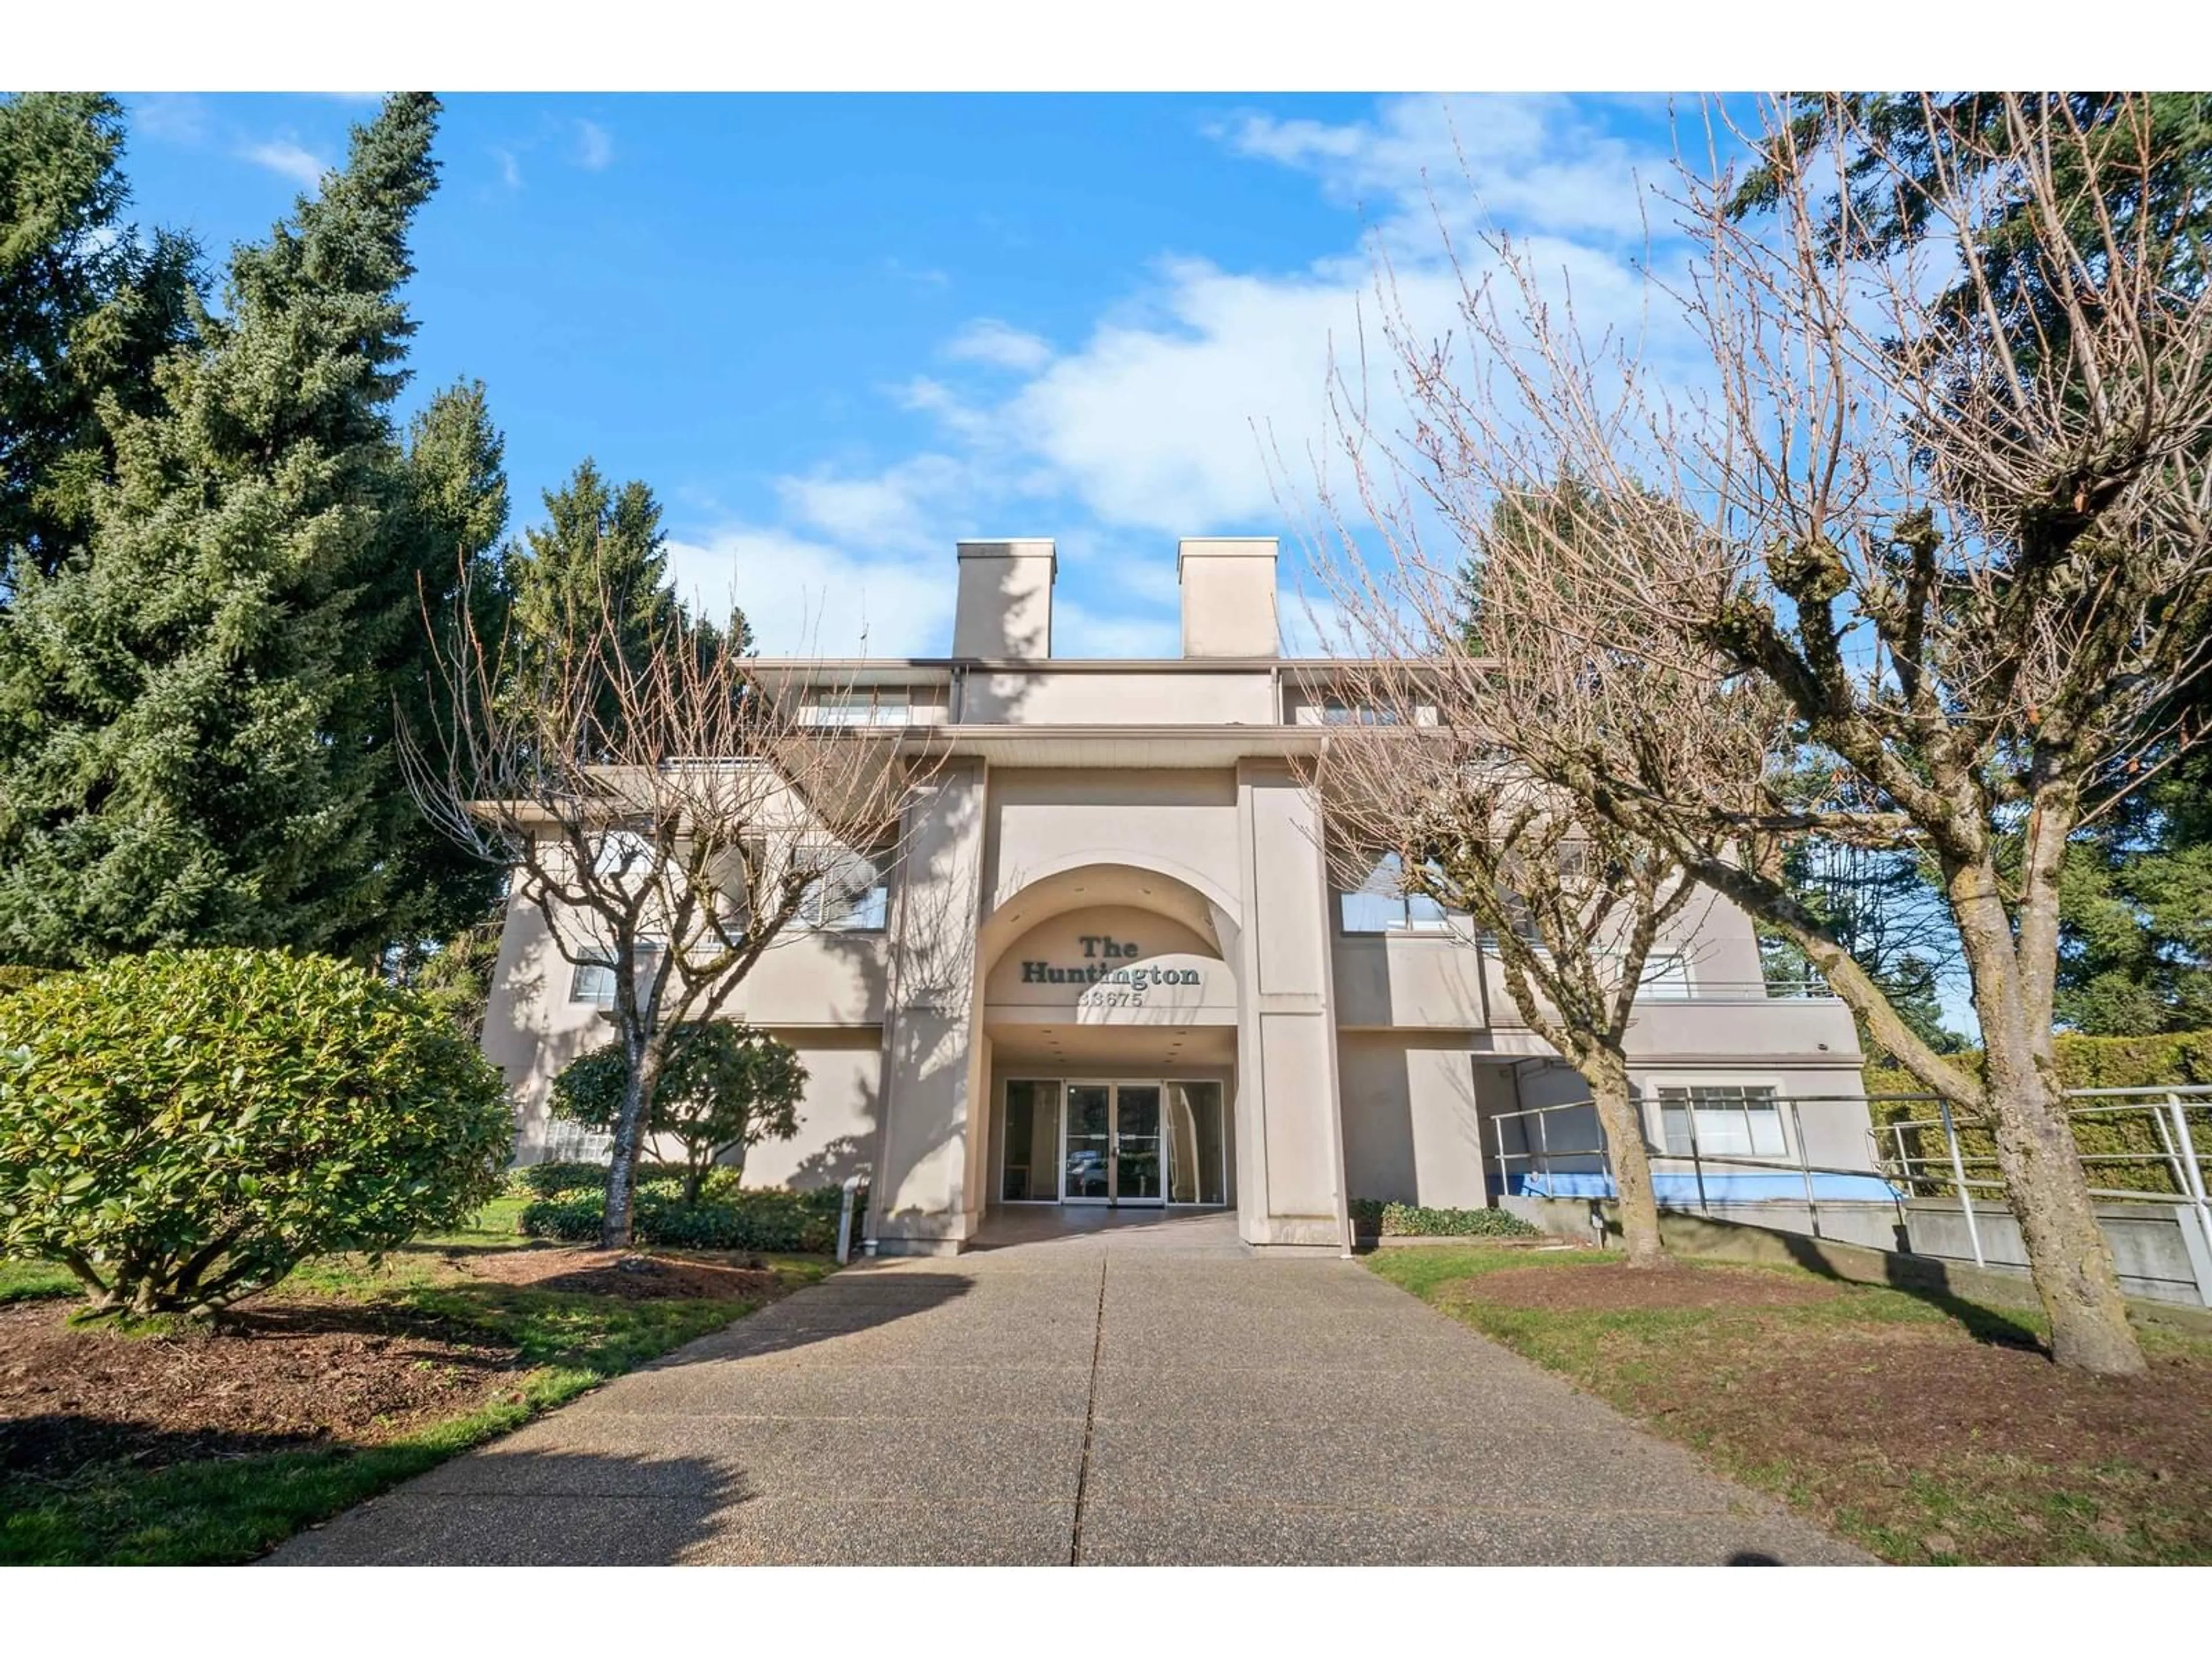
(1934, 1392)
(279, 1373)
(277, 1376)
(633, 1277)
(1612, 1287)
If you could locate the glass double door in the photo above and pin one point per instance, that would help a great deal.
(1113, 1152)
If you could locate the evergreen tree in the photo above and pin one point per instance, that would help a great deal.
(597, 540)
(197, 712)
(603, 544)
(86, 310)
(2137, 897)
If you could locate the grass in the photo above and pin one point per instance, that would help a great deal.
(234, 1508)
(24, 1281)
(2033, 1478)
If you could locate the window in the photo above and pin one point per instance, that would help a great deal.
(1381, 905)
(1731, 1119)
(623, 853)
(887, 705)
(1666, 979)
(852, 896)
(1334, 711)
(594, 979)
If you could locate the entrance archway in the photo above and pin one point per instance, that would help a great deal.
(1109, 1016)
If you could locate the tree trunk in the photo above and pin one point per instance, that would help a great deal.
(1617, 1114)
(616, 1231)
(2068, 1258)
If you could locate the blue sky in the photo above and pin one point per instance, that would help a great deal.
(838, 334)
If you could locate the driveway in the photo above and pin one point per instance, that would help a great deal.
(1130, 1393)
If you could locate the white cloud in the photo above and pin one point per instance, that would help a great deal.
(303, 167)
(179, 117)
(595, 147)
(806, 597)
(1172, 416)
(903, 508)
(510, 168)
(1079, 631)
(1529, 161)
(1001, 346)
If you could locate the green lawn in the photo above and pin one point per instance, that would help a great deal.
(22, 1282)
(235, 1508)
(1925, 1428)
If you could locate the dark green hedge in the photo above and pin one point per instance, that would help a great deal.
(2084, 1062)
(757, 1218)
(1373, 1215)
(577, 1180)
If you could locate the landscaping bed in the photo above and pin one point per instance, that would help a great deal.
(177, 1443)
(1926, 1428)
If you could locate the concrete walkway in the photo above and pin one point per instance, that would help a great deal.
(1146, 1394)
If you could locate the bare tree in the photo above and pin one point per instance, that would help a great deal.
(667, 810)
(1449, 684)
(1962, 543)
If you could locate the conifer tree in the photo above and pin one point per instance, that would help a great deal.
(602, 554)
(197, 708)
(87, 306)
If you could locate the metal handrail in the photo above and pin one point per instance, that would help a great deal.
(2168, 1107)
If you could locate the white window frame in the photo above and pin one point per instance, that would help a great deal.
(872, 914)
(861, 706)
(1677, 1098)
(1335, 711)
(599, 960)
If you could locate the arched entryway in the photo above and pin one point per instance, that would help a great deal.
(1109, 1017)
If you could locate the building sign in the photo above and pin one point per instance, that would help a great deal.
(1107, 965)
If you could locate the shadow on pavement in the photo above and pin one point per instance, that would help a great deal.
(531, 1509)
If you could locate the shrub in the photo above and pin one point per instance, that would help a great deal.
(1395, 1220)
(566, 1180)
(182, 1129)
(725, 1088)
(2084, 1062)
(558, 1180)
(755, 1218)
(15, 977)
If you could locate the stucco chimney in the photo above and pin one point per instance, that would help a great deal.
(1228, 596)
(1005, 607)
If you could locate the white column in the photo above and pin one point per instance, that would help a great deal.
(1289, 1133)
(925, 1199)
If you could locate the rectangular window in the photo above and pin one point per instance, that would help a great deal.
(1666, 979)
(852, 896)
(594, 978)
(1731, 1119)
(1381, 905)
(888, 705)
(1334, 711)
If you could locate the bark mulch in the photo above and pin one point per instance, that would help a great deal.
(281, 1372)
(274, 1376)
(633, 1277)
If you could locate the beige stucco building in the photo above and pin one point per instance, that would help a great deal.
(1111, 969)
